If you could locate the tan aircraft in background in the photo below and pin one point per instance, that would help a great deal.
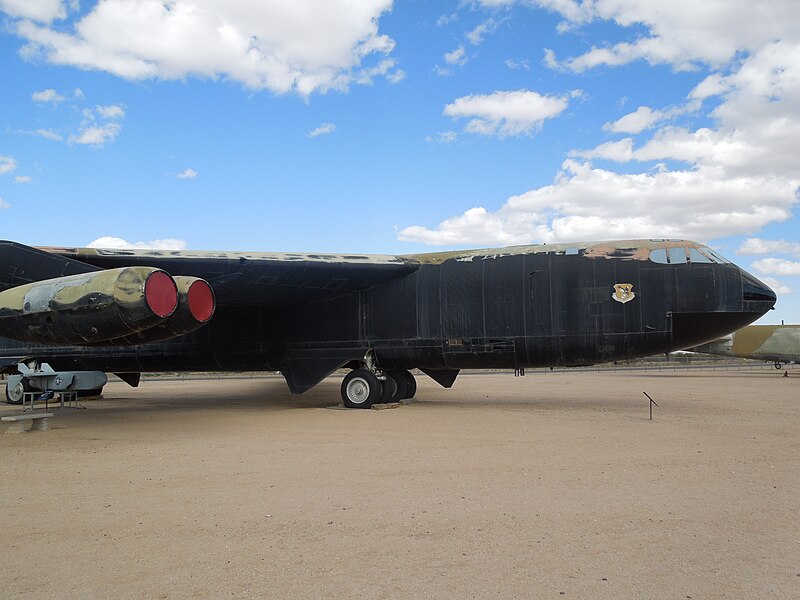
(771, 343)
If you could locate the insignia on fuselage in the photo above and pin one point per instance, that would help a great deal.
(623, 292)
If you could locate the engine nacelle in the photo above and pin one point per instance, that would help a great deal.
(196, 304)
(88, 308)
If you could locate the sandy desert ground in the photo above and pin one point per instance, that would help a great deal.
(555, 485)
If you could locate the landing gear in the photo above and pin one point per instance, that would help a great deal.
(361, 389)
(411, 384)
(398, 385)
(392, 391)
(778, 365)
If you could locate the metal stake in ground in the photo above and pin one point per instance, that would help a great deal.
(651, 404)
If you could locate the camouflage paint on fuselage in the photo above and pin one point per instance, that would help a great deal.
(778, 343)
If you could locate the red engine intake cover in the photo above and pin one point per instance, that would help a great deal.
(161, 293)
(201, 301)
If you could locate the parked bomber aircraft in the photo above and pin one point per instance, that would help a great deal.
(771, 343)
(306, 315)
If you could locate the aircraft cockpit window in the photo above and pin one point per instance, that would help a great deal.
(669, 256)
(677, 256)
(714, 256)
(695, 256)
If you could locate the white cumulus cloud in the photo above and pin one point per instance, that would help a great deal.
(385, 69)
(585, 203)
(681, 33)
(4, 204)
(442, 137)
(48, 134)
(7, 164)
(43, 11)
(643, 118)
(778, 287)
(456, 57)
(619, 151)
(323, 129)
(99, 127)
(96, 135)
(506, 113)
(514, 65)
(121, 244)
(47, 96)
(760, 246)
(112, 111)
(303, 46)
(777, 266)
(396, 76)
(23, 179)
(477, 35)
(187, 173)
(736, 174)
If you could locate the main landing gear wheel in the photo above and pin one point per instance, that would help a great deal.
(778, 365)
(361, 389)
(14, 394)
(389, 390)
(396, 386)
(411, 384)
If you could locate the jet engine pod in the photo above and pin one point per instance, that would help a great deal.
(196, 304)
(88, 308)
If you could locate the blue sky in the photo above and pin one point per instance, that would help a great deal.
(399, 127)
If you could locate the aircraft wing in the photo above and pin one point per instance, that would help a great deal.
(86, 296)
(237, 278)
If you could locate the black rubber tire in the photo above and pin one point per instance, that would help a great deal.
(394, 387)
(778, 365)
(12, 396)
(411, 384)
(361, 389)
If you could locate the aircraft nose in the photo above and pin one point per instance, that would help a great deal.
(740, 300)
(757, 292)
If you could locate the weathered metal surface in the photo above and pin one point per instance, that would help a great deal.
(626, 249)
(180, 323)
(779, 343)
(260, 279)
(513, 308)
(195, 255)
(77, 309)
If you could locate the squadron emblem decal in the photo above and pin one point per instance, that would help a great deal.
(623, 292)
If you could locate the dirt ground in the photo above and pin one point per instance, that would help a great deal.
(549, 486)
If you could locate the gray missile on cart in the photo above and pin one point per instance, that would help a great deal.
(46, 379)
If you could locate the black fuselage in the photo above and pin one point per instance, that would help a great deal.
(484, 309)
